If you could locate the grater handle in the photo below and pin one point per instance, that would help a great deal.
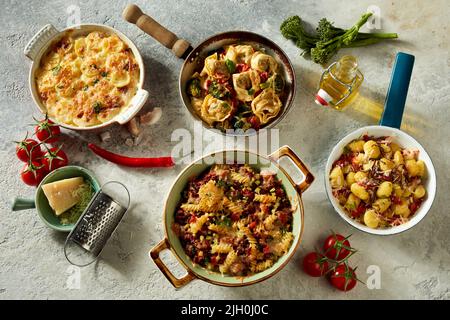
(176, 282)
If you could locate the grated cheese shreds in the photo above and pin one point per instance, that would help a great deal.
(85, 192)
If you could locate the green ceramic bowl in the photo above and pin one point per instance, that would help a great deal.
(173, 243)
(40, 201)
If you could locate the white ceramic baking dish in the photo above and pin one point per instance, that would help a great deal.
(48, 35)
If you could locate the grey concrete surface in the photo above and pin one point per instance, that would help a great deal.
(414, 265)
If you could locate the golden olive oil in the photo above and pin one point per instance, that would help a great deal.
(340, 83)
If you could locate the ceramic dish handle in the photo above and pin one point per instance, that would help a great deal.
(39, 40)
(398, 90)
(133, 14)
(135, 105)
(23, 204)
(176, 282)
(286, 151)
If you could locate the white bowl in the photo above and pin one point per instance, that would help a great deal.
(39, 44)
(405, 141)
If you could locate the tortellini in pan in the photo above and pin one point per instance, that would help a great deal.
(266, 105)
(214, 109)
(244, 78)
(263, 62)
(246, 84)
(215, 68)
(240, 54)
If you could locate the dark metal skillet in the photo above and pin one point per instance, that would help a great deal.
(194, 58)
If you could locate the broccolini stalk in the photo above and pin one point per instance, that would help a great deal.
(329, 39)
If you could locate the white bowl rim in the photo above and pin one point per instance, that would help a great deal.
(431, 175)
(123, 37)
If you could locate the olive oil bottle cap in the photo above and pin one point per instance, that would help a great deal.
(323, 98)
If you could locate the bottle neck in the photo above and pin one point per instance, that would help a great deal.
(345, 69)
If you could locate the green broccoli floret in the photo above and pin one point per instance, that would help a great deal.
(327, 31)
(292, 29)
(194, 88)
(276, 81)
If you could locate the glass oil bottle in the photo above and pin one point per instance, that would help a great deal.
(339, 83)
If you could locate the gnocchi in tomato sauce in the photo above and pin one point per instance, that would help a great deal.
(377, 182)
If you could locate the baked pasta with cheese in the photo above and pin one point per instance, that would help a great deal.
(239, 87)
(87, 80)
(377, 182)
(235, 220)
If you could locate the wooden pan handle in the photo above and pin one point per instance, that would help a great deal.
(133, 14)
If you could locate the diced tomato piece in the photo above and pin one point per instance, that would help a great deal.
(207, 84)
(252, 225)
(241, 67)
(192, 219)
(359, 211)
(396, 200)
(235, 217)
(415, 206)
(283, 217)
(264, 76)
(266, 249)
(254, 121)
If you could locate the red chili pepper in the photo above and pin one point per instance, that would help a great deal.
(132, 162)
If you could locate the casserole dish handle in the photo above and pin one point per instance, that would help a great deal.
(286, 151)
(133, 14)
(135, 106)
(39, 40)
(176, 282)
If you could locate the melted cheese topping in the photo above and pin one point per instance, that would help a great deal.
(87, 80)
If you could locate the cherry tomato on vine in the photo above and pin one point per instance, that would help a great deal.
(33, 173)
(27, 148)
(315, 264)
(47, 131)
(54, 158)
(337, 247)
(343, 278)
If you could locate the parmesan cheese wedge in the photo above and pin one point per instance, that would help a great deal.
(61, 194)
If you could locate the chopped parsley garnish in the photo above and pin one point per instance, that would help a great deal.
(226, 221)
(239, 124)
(95, 81)
(56, 69)
(346, 150)
(97, 106)
(104, 74)
(221, 183)
(230, 66)
(85, 88)
(251, 91)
